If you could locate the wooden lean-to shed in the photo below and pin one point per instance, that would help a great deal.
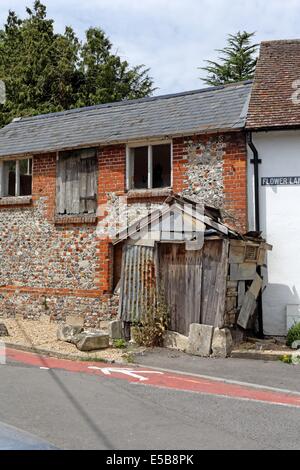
(185, 252)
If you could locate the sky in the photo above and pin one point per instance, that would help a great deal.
(171, 37)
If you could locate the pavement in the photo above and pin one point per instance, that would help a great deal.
(78, 405)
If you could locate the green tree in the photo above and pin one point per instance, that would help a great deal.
(46, 72)
(106, 76)
(237, 61)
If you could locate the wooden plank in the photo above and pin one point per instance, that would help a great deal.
(247, 310)
(212, 259)
(75, 203)
(256, 286)
(83, 186)
(236, 253)
(91, 185)
(237, 243)
(220, 292)
(180, 276)
(242, 272)
(69, 185)
(61, 187)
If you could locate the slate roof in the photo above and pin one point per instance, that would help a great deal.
(277, 70)
(207, 110)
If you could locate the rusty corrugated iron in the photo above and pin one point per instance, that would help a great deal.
(138, 281)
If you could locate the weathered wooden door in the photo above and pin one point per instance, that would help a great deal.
(214, 262)
(194, 283)
(180, 281)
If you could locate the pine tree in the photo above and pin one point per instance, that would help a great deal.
(237, 61)
(46, 72)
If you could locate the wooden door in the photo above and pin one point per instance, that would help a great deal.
(214, 282)
(194, 283)
(180, 281)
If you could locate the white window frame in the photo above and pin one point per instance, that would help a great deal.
(130, 163)
(3, 184)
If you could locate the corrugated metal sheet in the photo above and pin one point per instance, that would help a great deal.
(138, 281)
(206, 110)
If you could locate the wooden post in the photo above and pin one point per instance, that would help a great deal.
(129, 168)
(150, 172)
(17, 190)
(1, 178)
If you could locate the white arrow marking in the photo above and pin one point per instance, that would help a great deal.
(131, 373)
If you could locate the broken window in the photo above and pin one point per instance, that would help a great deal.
(76, 186)
(149, 167)
(16, 177)
(161, 161)
(140, 163)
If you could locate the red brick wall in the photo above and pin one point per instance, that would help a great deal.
(111, 179)
(44, 181)
(112, 171)
(235, 181)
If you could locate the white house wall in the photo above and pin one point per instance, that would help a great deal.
(280, 222)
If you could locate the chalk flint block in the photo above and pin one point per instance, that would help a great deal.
(115, 329)
(92, 340)
(174, 340)
(200, 339)
(222, 343)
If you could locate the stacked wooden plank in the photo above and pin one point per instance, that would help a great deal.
(244, 282)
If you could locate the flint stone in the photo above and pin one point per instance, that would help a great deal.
(222, 343)
(3, 330)
(92, 340)
(174, 340)
(295, 344)
(200, 339)
(115, 329)
(68, 332)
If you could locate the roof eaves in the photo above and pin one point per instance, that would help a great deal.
(195, 131)
(130, 102)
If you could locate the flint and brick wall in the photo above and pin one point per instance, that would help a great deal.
(67, 267)
(212, 169)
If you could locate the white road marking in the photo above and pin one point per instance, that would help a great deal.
(131, 373)
(44, 368)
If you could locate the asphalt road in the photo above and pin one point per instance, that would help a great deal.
(272, 374)
(74, 410)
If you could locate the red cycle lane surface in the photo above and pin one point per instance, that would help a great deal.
(155, 378)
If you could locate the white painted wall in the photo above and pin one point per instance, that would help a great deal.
(280, 222)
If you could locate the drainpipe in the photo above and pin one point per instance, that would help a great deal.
(256, 162)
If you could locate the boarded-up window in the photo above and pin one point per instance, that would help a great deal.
(76, 188)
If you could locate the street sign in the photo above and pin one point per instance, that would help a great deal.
(280, 181)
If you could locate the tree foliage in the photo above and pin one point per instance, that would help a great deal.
(237, 61)
(46, 72)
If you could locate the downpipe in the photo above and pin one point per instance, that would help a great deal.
(256, 162)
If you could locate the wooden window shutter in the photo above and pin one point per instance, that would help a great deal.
(88, 185)
(61, 186)
(76, 186)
